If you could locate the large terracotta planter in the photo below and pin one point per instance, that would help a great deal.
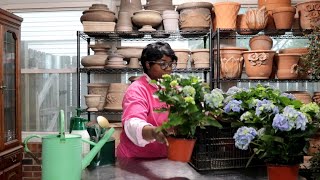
(226, 14)
(231, 62)
(309, 11)
(272, 4)
(258, 63)
(277, 172)
(283, 17)
(195, 15)
(180, 149)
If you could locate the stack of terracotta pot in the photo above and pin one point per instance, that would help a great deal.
(98, 18)
(259, 61)
(280, 13)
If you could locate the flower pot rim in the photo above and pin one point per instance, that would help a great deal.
(232, 48)
(261, 37)
(288, 54)
(257, 51)
(150, 11)
(193, 5)
(284, 9)
(225, 3)
(312, 1)
(200, 50)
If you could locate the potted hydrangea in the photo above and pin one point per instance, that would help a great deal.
(274, 124)
(185, 99)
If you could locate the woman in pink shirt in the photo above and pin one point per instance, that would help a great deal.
(139, 137)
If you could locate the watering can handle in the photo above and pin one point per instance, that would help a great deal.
(27, 150)
(61, 130)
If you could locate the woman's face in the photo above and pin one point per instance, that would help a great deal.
(160, 67)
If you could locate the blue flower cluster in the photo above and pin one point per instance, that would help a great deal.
(266, 106)
(214, 99)
(289, 119)
(244, 136)
(233, 105)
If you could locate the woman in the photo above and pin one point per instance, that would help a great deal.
(139, 137)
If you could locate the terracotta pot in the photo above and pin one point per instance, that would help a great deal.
(242, 27)
(226, 14)
(200, 56)
(99, 59)
(129, 51)
(182, 55)
(100, 89)
(271, 4)
(92, 101)
(257, 19)
(309, 11)
(314, 144)
(130, 6)
(283, 17)
(195, 16)
(302, 96)
(134, 63)
(231, 62)
(98, 15)
(287, 66)
(171, 21)
(124, 22)
(261, 42)
(115, 61)
(258, 63)
(180, 149)
(115, 96)
(294, 50)
(277, 172)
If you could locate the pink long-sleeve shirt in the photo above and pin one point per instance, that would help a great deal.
(138, 110)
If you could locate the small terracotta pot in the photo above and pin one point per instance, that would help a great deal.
(287, 65)
(180, 149)
(283, 17)
(308, 11)
(226, 14)
(261, 42)
(276, 172)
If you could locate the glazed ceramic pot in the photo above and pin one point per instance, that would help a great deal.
(283, 17)
(261, 42)
(258, 63)
(148, 19)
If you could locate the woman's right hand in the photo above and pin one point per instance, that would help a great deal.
(159, 136)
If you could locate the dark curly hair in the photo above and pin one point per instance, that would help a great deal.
(155, 51)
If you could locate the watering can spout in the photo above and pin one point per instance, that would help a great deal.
(97, 146)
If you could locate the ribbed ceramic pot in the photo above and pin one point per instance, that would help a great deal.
(287, 66)
(226, 14)
(195, 16)
(231, 62)
(283, 17)
(309, 11)
(258, 63)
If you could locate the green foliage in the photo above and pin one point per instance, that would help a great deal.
(185, 99)
(310, 62)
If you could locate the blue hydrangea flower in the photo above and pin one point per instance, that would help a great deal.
(288, 95)
(234, 105)
(301, 121)
(214, 99)
(281, 122)
(297, 118)
(233, 90)
(266, 106)
(244, 136)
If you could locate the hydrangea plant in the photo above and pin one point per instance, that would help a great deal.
(190, 104)
(275, 124)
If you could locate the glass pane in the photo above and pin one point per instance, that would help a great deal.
(9, 81)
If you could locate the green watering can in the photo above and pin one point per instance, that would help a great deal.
(61, 154)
